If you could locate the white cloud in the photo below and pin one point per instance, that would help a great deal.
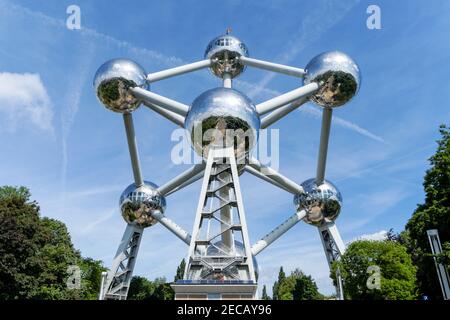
(24, 99)
(377, 236)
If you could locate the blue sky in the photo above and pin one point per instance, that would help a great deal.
(59, 141)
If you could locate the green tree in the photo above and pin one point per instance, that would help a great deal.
(180, 271)
(264, 294)
(434, 213)
(306, 289)
(19, 241)
(398, 274)
(35, 253)
(144, 289)
(298, 286)
(281, 277)
(91, 277)
(141, 289)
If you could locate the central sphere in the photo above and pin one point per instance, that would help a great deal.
(222, 117)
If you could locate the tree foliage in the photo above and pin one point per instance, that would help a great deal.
(298, 286)
(35, 253)
(143, 289)
(397, 273)
(180, 271)
(434, 213)
(264, 295)
(281, 277)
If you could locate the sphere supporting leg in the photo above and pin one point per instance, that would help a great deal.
(117, 282)
(334, 248)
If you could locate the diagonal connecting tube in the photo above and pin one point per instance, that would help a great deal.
(172, 72)
(262, 176)
(279, 113)
(169, 115)
(161, 101)
(285, 182)
(275, 67)
(277, 232)
(281, 100)
(181, 179)
(172, 226)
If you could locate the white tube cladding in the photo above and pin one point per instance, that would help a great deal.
(181, 179)
(262, 176)
(132, 147)
(227, 81)
(169, 115)
(275, 67)
(327, 115)
(286, 98)
(160, 75)
(285, 182)
(277, 232)
(161, 101)
(172, 227)
(281, 112)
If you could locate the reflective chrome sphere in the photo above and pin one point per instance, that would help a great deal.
(222, 117)
(137, 204)
(112, 81)
(225, 52)
(322, 203)
(338, 76)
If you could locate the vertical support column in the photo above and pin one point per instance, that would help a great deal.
(132, 146)
(435, 244)
(117, 282)
(334, 248)
(227, 81)
(327, 115)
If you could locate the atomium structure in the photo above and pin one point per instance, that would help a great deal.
(221, 261)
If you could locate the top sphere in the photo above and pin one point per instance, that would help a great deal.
(225, 51)
(222, 117)
(113, 81)
(338, 76)
(322, 203)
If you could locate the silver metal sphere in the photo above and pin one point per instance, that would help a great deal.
(322, 203)
(225, 52)
(222, 117)
(338, 76)
(112, 81)
(137, 204)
